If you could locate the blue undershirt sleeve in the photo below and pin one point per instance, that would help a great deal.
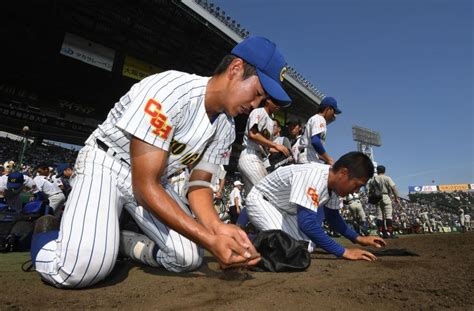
(310, 223)
(317, 144)
(338, 224)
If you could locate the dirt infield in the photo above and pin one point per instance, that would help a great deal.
(441, 277)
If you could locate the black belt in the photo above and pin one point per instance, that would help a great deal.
(176, 173)
(103, 146)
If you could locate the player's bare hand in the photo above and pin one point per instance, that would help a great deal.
(230, 254)
(237, 234)
(241, 238)
(330, 161)
(371, 240)
(358, 254)
(283, 149)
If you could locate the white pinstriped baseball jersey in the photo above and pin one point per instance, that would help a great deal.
(43, 183)
(216, 178)
(167, 110)
(305, 185)
(264, 122)
(316, 125)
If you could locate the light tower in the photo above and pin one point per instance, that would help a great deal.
(366, 139)
(24, 145)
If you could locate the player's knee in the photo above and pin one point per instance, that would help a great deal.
(184, 261)
(72, 280)
(86, 272)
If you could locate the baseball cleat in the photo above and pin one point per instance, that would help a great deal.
(138, 247)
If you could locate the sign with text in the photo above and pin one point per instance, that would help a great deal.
(137, 69)
(458, 187)
(88, 52)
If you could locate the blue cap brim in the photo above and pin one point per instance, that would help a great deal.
(14, 185)
(274, 89)
(337, 111)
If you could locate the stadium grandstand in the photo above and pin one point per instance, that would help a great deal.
(446, 197)
(67, 63)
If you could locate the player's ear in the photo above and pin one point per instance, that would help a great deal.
(235, 69)
(343, 172)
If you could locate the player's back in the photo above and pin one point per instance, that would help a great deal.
(278, 186)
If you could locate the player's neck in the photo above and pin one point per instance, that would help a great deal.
(331, 180)
(214, 97)
(267, 109)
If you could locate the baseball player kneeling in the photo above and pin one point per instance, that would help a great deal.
(298, 198)
(166, 122)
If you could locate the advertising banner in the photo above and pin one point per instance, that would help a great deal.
(429, 188)
(412, 189)
(458, 187)
(88, 52)
(137, 69)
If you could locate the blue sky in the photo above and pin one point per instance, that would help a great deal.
(403, 68)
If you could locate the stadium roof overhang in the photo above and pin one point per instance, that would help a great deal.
(180, 35)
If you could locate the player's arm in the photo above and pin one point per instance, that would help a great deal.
(237, 204)
(221, 188)
(256, 136)
(200, 199)
(318, 146)
(310, 223)
(148, 163)
(395, 193)
(338, 224)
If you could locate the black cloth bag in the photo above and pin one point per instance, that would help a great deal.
(280, 252)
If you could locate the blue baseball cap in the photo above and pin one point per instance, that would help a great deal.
(269, 62)
(330, 102)
(15, 180)
(61, 167)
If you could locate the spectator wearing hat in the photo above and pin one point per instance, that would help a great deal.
(64, 173)
(50, 189)
(235, 201)
(12, 185)
(311, 143)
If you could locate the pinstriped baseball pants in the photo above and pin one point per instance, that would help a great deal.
(264, 216)
(251, 167)
(87, 246)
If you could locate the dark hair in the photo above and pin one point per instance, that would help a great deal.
(358, 164)
(292, 124)
(279, 124)
(42, 165)
(322, 108)
(249, 70)
(380, 169)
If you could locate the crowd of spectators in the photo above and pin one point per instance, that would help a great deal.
(424, 212)
(34, 154)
